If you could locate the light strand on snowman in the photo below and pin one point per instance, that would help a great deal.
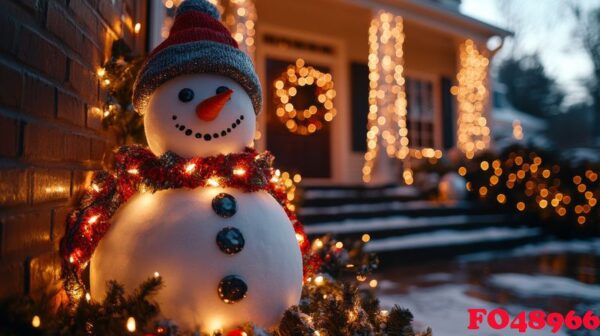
(139, 170)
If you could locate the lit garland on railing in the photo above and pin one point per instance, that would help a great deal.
(472, 95)
(387, 96)
(311, 119)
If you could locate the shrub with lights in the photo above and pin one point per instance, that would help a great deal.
(562, 193)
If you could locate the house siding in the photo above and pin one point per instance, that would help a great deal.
(51, 135)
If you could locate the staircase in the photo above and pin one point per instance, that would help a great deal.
(403, 227)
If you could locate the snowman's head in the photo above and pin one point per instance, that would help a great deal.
(197, 90)
(199, 115)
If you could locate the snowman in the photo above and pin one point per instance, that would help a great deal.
(226, 256)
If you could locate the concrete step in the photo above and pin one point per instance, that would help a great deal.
(335, 196)
(314, 215)
(397, 226)
(443, 244)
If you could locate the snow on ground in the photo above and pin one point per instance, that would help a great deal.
(545, 285)
(444, 309)
(354, 208)
(449, 237)
(348, 193)
(398, 222)
(591, 246)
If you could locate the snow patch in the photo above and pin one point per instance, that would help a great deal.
(545, 285)
(385, 206)
(398, 222)
(349, 193)
(449, 237)
(445, 309)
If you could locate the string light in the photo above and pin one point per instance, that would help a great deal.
(88, 297)
(239, 171)
(387, 97)
(213, 182)
(312, 118)
(36, 322)
(133, 171)
(131, 324)
(190, 168)
(517, 130)
(365, 238)
(137, 28)
(472, 95)
(239, 16)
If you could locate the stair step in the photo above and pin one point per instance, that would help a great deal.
(402, 225)
(313, 215)
(449, 243)
(337, 196)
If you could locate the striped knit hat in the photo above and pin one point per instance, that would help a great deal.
(198, 43)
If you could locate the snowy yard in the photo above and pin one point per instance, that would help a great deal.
(551, 276)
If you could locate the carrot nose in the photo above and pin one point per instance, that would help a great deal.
(209, 109)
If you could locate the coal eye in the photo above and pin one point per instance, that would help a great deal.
(222, 89)
(186, 95)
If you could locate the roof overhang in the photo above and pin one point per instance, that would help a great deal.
(438, 17)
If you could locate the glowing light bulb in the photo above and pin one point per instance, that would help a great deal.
(88, 297)
(373, 283)
(299, 238)
(190, 167)
(319, 280)
(93, 219)
(137, 28)
(365, 238)
(213, 182)
(131, 324)
(36, 322)
(239, 171)
(95, 187)
(156, 274)
(101, 72)
(339, 245)
(133, 171)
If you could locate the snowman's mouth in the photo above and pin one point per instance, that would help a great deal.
(209, 136)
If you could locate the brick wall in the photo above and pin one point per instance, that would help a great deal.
(51, 137)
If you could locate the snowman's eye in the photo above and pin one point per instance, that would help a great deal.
(222, 89)
(186, 95)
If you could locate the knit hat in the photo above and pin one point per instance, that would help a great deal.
(198, 43)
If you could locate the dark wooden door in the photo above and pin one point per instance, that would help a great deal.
(309, 155)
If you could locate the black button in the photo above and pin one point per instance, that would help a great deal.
(230, 240)
(232, 289)
(224, 205)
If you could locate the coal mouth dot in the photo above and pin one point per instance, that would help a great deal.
(208, 137)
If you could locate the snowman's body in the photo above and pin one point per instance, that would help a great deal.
(174, 233)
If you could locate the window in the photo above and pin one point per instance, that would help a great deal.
(420, 112)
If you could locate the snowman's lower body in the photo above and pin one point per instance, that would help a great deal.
(174, 233)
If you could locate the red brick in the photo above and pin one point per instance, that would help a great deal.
(8, 137)
(94, 117)
(12, 278)
(59, 220)
(7, 31)
(100, 149)
(110, 13)
(60, 25)
(51, 185)
(38, 98)
(77, 148)
(84, 14)
(84, 81)
(26, 234)
(81, 180)
(43, 143)
(39, 53)
(14, 186)
(44, 274)
(70, 108)
(11, 85)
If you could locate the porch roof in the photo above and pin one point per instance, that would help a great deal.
(439, 17)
